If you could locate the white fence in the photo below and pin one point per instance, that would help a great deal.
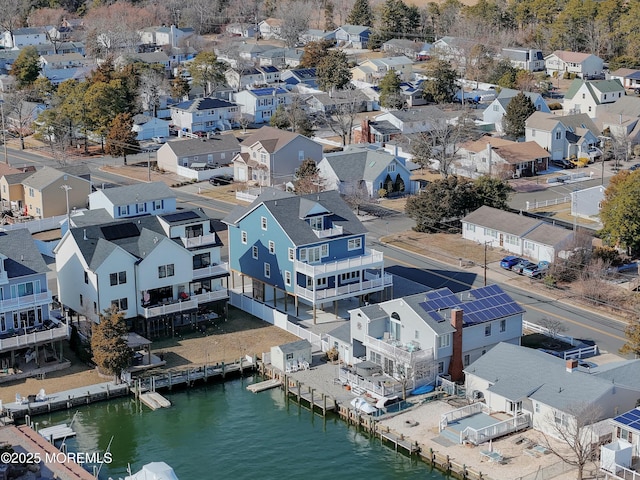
(35, 226)
(246, 196)
(547, 203)
(462, 412)
(585, 352)
(499, 429)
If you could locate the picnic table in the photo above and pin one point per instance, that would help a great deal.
(495, 457)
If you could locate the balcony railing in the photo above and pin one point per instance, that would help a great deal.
(345, 291)
(371, 259)
(190, 242)
(329, 232)
(177, 306)
(26, 301)
(211, 271)
(408, 353)
(20, 341)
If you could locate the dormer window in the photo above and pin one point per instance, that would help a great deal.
(316, 223)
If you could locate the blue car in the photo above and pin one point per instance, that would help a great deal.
(510, 261)
(519, 267)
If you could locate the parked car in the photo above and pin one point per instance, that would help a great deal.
(563, 163)
(635, 167)
(510, 261)
(159, 139)
(519, 267)
(580, 162)
(536, 271)
(221, 180)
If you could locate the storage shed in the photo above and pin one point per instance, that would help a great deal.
(285, 356)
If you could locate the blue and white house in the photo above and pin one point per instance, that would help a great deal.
(204, 115)
(153, 198)
(24, 308)
(435, 333)
(260, 104)
(496, 110)
(355, 36)
(309, 248)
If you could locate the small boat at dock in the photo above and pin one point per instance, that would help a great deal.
(154, 471)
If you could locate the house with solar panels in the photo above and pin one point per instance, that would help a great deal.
(435, 333)
(289, 249)
(260, 104)
(164, 272)
(626, 427)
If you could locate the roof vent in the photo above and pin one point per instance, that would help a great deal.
(22, 258)
(155, 240)
(84, 234)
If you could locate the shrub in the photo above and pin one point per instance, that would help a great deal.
(382, 193)
(555, 106)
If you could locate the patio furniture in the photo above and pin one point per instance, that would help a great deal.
(541, 449)
(494, 457)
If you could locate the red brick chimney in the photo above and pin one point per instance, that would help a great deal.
(456, 365)
(571, 364)
(366, 131)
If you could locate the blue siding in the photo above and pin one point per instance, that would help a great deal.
(9, 293)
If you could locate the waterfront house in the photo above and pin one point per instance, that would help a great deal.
(25, 326)
(271, 156)
(524, 381)
(495, 111)
(312, 249)
(364, 169)
(587, 96)
(209, 152)
(163, 272)
(563, 136)
(435, 333)
(517, 234)
(582, 65)
(204, 115)
(154, 198)
(260, 104)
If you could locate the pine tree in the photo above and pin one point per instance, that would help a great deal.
(390, 90)
(519, 109)
(361, 14)
(26, 67)
(333, 71)
(442, 82)
(121, 139)
(109, 343)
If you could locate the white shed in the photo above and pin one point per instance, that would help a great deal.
(284, 357)
(614, 454)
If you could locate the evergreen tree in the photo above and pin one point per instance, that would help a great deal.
(207, 71)
(26, 67)
(619, 213)
(109, 343)
(329, 24)
(519, 109)
(493, 192)
(333, 71)
(390, 91)
(280, 119)
(180, 86)
(361, 14)
(121, 139)
(442, 81)
(307, 178)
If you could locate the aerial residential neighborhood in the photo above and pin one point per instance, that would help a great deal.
(418, 218)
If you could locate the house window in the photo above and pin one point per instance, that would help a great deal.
(202, 260)
(537, 407)
(263, 157)
(303, 255)
(503, 325)
(287, 278)
(324, 250)
(117, 278)
(465, 361)
(496, 108)
(243, 237)
(444, 340)
(289, 356)
(291, 254)
(528, 245)
(157, 205)
(86, 278)
(166, 270)
(471, 227)
(346, 277)
(300, 155)
(487, 330)
(141, 207)
(31, 192)
(263, 223)
(511, 239)
(624, 434)
(313, 254)
(533, 132)
(121, 303)
(95, 307)
(488, 232)
(124, 210)
(391, 167)
(354, 243)
(81, 301)
(316, 223)
(589, 107)
(267, 270)
(558, 135)
(254, 252)
(272, 247)
(584, 96)
(321, 282)
(440, 367)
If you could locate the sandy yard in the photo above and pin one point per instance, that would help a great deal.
(226, 341)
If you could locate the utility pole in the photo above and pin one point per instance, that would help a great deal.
(485, 263)
(4, 133)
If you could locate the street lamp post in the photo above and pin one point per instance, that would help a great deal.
(66, 189)
(4, 133)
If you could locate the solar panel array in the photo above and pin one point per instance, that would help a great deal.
(119, 231)
(261, 92)
(630, 419)
(481, 305)
(180, 216)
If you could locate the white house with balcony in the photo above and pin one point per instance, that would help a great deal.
(204, 115)
(163, 271)
(289, 249)
(25, 326)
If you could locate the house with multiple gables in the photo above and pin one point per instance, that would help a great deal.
(525, 381)
(40, 194)
(163, 272)
(161, 35)
(582, 65)
(271, 156)
(251, 77)
(260, 104)
(530, 59)
(209, 152)
(153, 198)
(495, 112)
(270, 28)
(353, 36)
(563, 137)
(587, 96)
(495, 156)
(25, 324)
(435, 333)
(628, 77)
(303, 248)
(204, 114)
(365, 169)
(280, 57)
(519, 235)
(374, 69)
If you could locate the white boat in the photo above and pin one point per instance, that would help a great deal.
(154, 471)
(361, 405)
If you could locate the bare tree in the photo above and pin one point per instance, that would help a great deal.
(295, 17)
(341, 118)
(244, 120)
(20, 113)
(574, 428)
(153, 84)
(553, 326)
(357, 196)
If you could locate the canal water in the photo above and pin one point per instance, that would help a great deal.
(222, 431)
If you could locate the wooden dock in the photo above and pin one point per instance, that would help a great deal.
(154, 400)
(400, 442)
(311, 399)
(262, 386)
